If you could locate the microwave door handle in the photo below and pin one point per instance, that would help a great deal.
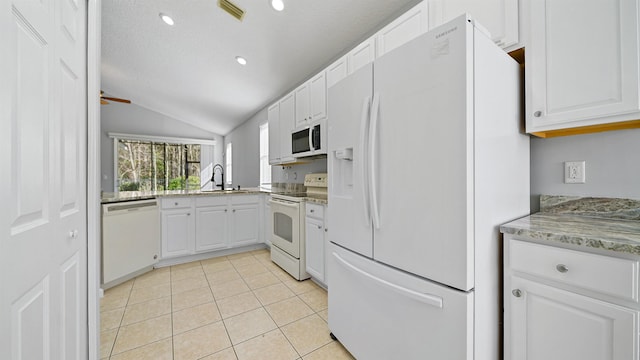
(311, 139)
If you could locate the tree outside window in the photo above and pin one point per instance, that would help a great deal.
(150, 166)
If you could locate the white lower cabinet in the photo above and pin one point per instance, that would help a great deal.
(548, 323)
(552, 312)
(211, 228)
(178, 225)
(315, 241)
(207, 223)
(244, 220)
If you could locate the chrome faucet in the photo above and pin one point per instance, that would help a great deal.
(213, 175)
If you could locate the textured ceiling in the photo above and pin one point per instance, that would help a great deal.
(188, 71)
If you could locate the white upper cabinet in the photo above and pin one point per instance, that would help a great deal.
(273, 117)
(582, 64)
(362, 54)
(359, 56)
(311, 100)
(287, 122)
(403, 29)
(318, 97)
(303, 92)
(500, 17)
(337, 71)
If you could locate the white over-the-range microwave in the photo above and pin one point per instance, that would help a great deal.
(309, 140)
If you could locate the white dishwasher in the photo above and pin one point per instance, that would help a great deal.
(130, 239)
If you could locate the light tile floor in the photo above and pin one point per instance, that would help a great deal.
(241, 306)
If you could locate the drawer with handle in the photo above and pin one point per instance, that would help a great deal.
(175, 203)
(314, 211)
(604, 274)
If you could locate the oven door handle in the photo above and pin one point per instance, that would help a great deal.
(282, 203)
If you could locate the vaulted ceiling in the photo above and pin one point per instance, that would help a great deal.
(188, 71)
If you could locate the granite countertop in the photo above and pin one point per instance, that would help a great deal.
(317, 200)
(144, 195)
(604, 223)
(114, 197)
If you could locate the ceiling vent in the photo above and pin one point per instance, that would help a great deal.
(231, 8)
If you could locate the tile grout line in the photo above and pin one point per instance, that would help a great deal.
(173, 347)
(121, 320)
(268, 270)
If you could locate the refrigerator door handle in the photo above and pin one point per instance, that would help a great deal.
(373, 187)
(428, 299)
(364, 124)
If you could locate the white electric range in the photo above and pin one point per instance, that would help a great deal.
(288, 235)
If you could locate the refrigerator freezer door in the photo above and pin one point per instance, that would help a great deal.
(378, 312)
(349, 103)
(424, 156)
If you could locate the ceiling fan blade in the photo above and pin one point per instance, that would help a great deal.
(117, 99)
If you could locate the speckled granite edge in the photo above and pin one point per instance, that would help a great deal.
(607, 234)
(316, 200)
(610, 208)
(108, 198)
(604, 223)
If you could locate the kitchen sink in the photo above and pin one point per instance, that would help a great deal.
(225, 191)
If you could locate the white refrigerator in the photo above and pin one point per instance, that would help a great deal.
(426, 158)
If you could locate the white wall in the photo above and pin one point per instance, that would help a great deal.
(246, 150)
(612, 165)
(295, 173)
(134, 119)
(246, 157)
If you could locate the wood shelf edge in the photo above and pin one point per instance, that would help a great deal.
(623, 125)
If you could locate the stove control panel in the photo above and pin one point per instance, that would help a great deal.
(315, 180)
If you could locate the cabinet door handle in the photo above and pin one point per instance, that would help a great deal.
(234, 210)
(562, 268)
(517, 293)
(188, 214)
(176, 204)
(319, 227)
(225, 210)
(312, 210)
(537, 113)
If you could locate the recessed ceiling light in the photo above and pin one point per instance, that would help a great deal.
(167, 19)
(241, 60)
(277, 4)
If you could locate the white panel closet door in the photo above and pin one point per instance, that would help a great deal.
(43, 245)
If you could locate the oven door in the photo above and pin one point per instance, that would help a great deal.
(286, 226)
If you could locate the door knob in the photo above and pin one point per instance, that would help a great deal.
(517, 293)
(537, 113)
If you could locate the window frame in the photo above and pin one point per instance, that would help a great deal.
(228, 164)
(155, 139)
(265, 178)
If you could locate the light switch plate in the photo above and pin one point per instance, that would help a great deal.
(574, 172)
